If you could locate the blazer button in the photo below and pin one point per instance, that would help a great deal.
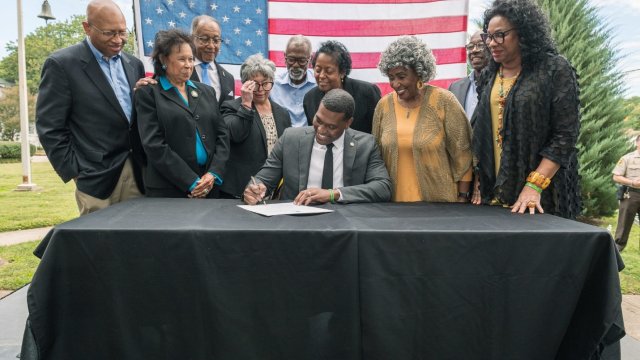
(203, 136)
(197, 117)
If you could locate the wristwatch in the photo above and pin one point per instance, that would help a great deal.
(464, 194)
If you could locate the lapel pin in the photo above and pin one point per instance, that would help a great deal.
(194, 94)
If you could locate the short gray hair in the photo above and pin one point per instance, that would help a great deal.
(409, 52)
(339, 101)
(199, 20)
(257, 64)
(299, 40)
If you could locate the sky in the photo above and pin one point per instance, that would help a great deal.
(620, 15)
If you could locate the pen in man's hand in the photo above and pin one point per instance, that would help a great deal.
(253, 180)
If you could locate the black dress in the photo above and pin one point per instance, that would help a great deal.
(541, 119)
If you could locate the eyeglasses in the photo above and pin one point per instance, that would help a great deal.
(112, 34)
(205, 40)
(292, 61)
(471, 46)
(266, 86)
(497, 36)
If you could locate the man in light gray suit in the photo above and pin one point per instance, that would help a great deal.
(465, 88)
(328, 162)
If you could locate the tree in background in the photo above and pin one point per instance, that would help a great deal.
(632, 121)
(582, 37)
(10, 112)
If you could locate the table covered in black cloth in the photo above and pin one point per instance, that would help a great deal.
(204, 279)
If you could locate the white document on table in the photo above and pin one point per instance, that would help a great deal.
(284, 209)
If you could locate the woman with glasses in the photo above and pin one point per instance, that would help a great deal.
(527, 120)
(422, 130)
(181, 128)
(254, 122)
(331, 66)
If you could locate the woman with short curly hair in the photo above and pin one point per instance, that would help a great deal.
(527, 120)
(421, 129)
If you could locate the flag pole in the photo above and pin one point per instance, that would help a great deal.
(26, 185)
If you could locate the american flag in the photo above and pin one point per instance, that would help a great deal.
(366, 27)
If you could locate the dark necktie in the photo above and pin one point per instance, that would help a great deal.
(327, 170)
(205, 73)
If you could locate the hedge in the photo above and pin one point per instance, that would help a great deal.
(11, 149)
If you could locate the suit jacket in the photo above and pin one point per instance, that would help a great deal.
(248, 142)
(366, 96)
(80, 123)
(365, 176)
(227, 83)
(168, 131)
(460, 89)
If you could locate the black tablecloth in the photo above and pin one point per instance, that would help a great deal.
(204, 279)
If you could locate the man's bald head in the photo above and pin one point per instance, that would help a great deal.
(106, 27)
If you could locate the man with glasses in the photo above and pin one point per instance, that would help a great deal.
(84, 112)
(291, 86)
(207, 39)
(465, 88)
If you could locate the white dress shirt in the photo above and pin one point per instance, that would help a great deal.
(317, 164)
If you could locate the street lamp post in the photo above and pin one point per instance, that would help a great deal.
(26, 185)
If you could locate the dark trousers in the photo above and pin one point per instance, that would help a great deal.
(628, 210)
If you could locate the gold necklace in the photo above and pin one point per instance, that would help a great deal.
(410, 109)
(502, 100)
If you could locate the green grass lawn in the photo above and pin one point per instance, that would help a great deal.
(53, 204)
(630, 276)
(17, 265)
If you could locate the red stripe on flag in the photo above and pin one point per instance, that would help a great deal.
(356, 1)
(370, 60)
(444, 24)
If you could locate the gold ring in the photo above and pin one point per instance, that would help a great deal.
(531, 204)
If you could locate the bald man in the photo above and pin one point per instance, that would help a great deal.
(84, 112)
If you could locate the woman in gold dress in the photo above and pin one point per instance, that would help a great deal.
(422, 130)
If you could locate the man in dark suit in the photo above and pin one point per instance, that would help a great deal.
(465, 88)
(84, 112)
(328, 162)
(207, 39)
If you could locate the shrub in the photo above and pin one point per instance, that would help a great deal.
(11, 150)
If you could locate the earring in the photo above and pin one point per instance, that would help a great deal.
(342, 79)
(164, 66)
(420, 85)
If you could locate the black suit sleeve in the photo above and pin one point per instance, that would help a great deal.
(238, 119)
(52, 111)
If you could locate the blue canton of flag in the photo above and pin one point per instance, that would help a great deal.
(243, 24)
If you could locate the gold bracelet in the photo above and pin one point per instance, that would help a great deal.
(539, 180)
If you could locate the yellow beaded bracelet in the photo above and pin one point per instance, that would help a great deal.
(539, 180)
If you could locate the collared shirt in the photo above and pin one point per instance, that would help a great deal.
(117, 78)
(290, 95)
(629, 166)
(213, 76)
(316, 164)
(472, 96)
(201, 152)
